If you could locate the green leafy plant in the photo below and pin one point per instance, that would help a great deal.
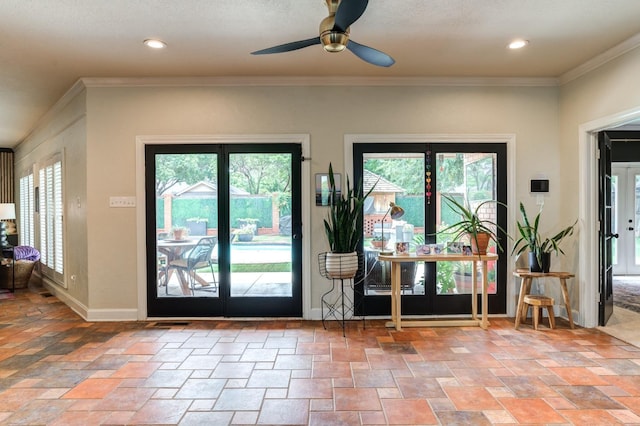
(343, 227)
(197, 219)
(247, 230)
(470, 223)
(530, 238)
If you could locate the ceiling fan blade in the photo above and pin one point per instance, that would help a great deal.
(348, 12)
(287, 47)
(371, 55)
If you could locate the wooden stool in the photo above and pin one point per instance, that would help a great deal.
(537, 302)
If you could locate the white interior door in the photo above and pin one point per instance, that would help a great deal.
(626, 201)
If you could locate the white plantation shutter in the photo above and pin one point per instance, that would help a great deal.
(51, 219)
(27, 211)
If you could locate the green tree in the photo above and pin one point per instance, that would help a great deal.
(399, 171)
(450, 171)
(260, 173)
(405, 172)
(188, 168)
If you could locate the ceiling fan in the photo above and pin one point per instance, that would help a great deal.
(334, 34)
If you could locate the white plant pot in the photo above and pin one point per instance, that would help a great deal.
(341, 265)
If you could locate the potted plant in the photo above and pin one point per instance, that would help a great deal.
(377, 242)
(244, 234)
(251, 223)
(479, 231)
(343, 228)
(179, 232)
(539, 249)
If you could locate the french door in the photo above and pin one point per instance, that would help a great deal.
(223, 230)
(625, 187)
(414, 176)
(605, 235)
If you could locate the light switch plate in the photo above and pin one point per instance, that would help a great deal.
(120, 202)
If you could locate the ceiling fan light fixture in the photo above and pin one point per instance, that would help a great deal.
(333, 41)
(155, 43)
(335, 36)
(518, 44)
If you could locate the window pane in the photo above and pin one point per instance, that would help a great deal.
(187, 225)
(469, 178)
(396, 178)
(260, 194)
(27, 235)
(51, 220)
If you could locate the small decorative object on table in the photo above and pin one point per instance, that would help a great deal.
(422, 249)
(402, 248)
(454, 247)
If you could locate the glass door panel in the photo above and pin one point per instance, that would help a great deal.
(186, 225)
(625, 198)
(393, 178)
(263, 217)
(470, 179)
(636, 221)
(260, 223)
(615, 220)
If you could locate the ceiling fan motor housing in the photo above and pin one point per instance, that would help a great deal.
(332, 41)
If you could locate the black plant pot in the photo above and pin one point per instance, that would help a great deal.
(533, 262)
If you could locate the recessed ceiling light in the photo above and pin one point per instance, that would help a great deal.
(518, 44)
(155, 44)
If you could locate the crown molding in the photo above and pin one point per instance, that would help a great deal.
(597, 61)
(77, 88)
(315, 81)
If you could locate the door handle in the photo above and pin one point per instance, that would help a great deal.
(614, 235)
(630, 228)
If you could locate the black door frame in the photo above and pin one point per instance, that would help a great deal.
(605, 259)
(612, 147)
(426, 304)
(224, 304)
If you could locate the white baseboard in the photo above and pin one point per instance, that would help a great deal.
(112, 315)
(75, 305)
(93, 315)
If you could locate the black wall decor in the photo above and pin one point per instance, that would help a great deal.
(539, 185)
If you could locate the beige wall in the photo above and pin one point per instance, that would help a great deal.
(118, 115)
(101, 242)
(607, 96)
(64, 130)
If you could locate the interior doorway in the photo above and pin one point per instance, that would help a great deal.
(624, 257)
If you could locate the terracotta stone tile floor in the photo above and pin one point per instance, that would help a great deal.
(56, 369)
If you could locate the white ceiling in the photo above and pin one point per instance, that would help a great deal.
(47, 45)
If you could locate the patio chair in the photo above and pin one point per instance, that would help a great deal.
(161, 260)
(201, 256)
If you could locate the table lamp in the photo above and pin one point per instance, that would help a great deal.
(396, 212)
(7, 211)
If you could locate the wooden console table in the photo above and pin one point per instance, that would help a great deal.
(396, 296)
(525, 287)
